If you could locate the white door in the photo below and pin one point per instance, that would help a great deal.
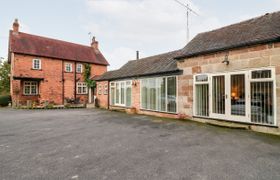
(229, 96)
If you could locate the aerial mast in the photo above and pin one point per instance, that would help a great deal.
(189, 10)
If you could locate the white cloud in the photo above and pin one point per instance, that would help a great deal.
(153, 26)
(122, 54)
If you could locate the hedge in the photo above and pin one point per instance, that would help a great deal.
(5, 100)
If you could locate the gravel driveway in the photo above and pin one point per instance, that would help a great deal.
(99, 144)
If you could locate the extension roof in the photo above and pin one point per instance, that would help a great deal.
(154, 65)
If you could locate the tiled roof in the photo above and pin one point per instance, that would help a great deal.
(45, 47)
(159, 64)
(258, 30)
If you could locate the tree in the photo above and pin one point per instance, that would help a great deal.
(5, 78)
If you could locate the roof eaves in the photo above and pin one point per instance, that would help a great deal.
(277, 39)
(141, 75)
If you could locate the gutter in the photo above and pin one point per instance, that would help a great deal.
(144, 75)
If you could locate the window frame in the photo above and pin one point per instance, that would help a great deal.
(99, 89)
(115, 84)
(248, 81)
(82, 85)
(105, 89)
(30, 85)
(80, 67)
(194, 93)
(34, 64)
(70, 66)
(166, 94)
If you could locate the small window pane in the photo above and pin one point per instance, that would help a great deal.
(261, 74)
(128, 96)
(171, 94)
(201, 78)
(112, 96)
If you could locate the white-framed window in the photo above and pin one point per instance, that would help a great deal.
(79, 68)
(105, 89)
(82, 88)
(99, 89)
(120, 93)
(30, 88)
(68, 67)
(244, 96)
(36, 64)
(159, 94)
(201, 95)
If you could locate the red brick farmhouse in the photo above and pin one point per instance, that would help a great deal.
(49, 70)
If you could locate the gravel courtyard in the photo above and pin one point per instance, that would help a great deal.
(99, 144)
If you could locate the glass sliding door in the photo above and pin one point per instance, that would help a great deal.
(218, 94)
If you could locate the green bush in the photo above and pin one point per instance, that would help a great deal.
(5, 100)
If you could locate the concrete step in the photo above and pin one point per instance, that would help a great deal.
(228, 124)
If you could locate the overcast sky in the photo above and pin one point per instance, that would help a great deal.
(124, 26)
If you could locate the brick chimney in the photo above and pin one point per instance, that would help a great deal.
(94, 43)
(16, 26)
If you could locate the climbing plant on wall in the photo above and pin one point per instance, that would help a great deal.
(87, 75)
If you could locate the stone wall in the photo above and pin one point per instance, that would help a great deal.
(267, 55)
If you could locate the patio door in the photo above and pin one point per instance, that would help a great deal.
(229, 96)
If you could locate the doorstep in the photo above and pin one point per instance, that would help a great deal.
(90, 105)
(228, 125)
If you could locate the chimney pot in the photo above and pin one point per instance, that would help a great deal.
(137, 55)
(16, 26)
(94, 43)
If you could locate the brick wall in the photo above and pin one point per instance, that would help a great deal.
(53, 72)
(103, 101)
(240, 59)
(101, 95)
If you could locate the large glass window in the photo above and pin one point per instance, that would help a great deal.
(121, 93)
(262, 97)
(159, 94)
(245, 96)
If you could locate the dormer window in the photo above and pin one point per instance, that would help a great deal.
(68, 67)
(36, 64)
(79, 68)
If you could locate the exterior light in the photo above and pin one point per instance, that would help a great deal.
(226, 61)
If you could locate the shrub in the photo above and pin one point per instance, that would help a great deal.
(5, 100)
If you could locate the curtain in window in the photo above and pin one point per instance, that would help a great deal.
(155, 96)
(171, 94)
(128, 94)
(202, 99)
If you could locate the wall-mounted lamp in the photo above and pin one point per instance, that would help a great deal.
(226, 61)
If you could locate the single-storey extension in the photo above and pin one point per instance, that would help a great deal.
(228, 74)
(148, 86)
